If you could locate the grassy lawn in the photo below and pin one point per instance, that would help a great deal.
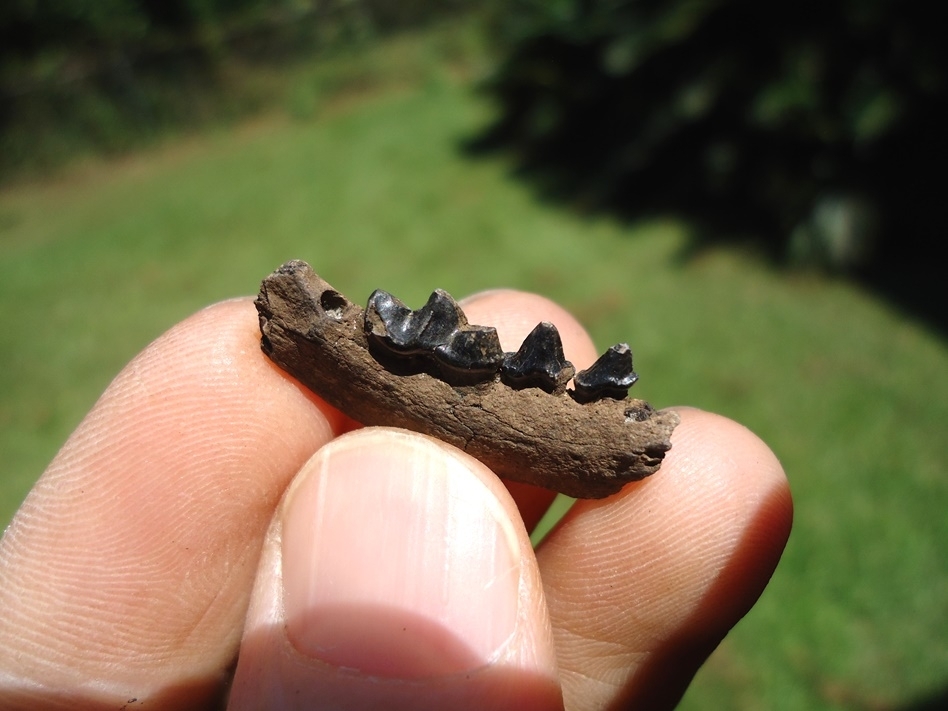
(368, 184)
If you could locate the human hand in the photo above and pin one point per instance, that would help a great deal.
(396, 573)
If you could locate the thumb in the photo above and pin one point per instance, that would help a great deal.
(397, 574)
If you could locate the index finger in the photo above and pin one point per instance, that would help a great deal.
(127, 571)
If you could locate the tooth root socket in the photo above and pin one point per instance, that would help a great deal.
(539, 363)
(609, 377)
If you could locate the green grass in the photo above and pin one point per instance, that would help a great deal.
(367, 183)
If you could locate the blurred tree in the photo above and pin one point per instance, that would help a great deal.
(104, 75)
(30, 26)
(814, 126)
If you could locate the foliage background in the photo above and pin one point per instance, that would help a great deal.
(84, 77)
(813, 128)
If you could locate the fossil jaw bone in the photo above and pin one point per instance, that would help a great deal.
(585, 450)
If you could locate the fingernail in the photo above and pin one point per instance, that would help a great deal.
(398, 561)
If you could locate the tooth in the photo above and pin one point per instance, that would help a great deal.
(540, 361)
(474, 351)
(405, 332)
(437, 332)
(611, 376)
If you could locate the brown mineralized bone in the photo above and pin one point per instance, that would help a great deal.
(429, 371)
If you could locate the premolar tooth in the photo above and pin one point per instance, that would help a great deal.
(611, 376)
(540, 362)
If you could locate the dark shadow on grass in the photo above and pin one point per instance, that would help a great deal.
(762, 137)
(904, 268)
(937, 701)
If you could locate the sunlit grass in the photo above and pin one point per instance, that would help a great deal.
(369, 186)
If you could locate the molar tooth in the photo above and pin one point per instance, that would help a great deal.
(611, 376)
(540, 362)
(405, 332)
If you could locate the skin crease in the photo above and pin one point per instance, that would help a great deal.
(128, 571)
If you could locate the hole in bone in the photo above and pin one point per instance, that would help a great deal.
(333, 304)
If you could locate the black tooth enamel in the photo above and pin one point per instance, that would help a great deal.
(397, 328)
(609, 377)
(540, 361)
(436, 338)
(474, 351)
(438, 333)
(442, 318)
(385, 319)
